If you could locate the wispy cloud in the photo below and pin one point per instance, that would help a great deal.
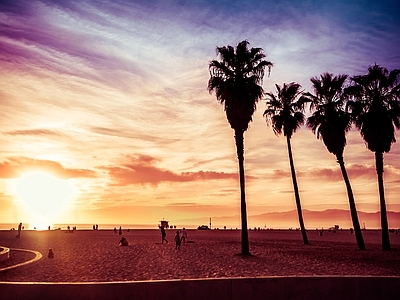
(13, 167)
(33, 132)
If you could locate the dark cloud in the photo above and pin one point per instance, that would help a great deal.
(15, 166)
(35, 39)
(20, 8)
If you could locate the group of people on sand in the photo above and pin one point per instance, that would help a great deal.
(123, 241)
(178, 238)
(120, 230)
(69, 229)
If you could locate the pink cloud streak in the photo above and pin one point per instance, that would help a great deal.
(142, 170)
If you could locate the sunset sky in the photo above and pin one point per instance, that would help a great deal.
(110, 97)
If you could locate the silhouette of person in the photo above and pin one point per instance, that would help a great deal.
(177, 240)
(120, 230)
(163, 235)
(115, 230)
(123, 242)
(51, 253)
(184, 235)
(19, 231)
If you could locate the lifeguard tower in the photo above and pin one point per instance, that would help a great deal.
(164, 224)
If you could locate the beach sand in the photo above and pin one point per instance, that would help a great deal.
(93, 256)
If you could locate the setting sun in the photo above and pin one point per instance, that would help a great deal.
(43, 194)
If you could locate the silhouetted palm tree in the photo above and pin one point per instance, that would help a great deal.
(285, 112)
(236, 81)
(331, 123)
(376, 111)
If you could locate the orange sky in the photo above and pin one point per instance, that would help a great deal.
(113, 100)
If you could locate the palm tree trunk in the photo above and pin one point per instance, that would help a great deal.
(240, 154)
(384, 220)
(296, 193)
(352, 203)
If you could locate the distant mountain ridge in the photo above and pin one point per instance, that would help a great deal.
(328, 218)
(312, 219)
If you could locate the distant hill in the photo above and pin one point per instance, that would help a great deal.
(312, 219)
(326, 218)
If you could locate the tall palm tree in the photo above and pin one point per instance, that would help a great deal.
(376, 111)
(236, 80)
(285, 113)
(331, 122)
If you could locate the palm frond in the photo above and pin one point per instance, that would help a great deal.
(283, 109)
(236, 79)
(375, 107)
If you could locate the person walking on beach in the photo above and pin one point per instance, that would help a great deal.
(19, 230)
(163, 235)
(177, 240)
(184, 235)
(120, 230)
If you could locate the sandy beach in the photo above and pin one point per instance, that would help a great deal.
(93, 256)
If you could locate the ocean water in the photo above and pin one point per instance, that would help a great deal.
(27, 226)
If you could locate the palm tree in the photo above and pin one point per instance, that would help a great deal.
(236, 81)
(331, 123)
(376, 112)
(285, 113)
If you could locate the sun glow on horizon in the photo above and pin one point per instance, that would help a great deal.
(44, 195)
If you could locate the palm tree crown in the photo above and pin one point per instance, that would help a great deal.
(236, 80)
(329, 121)
(285, 110)
(376, 108)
